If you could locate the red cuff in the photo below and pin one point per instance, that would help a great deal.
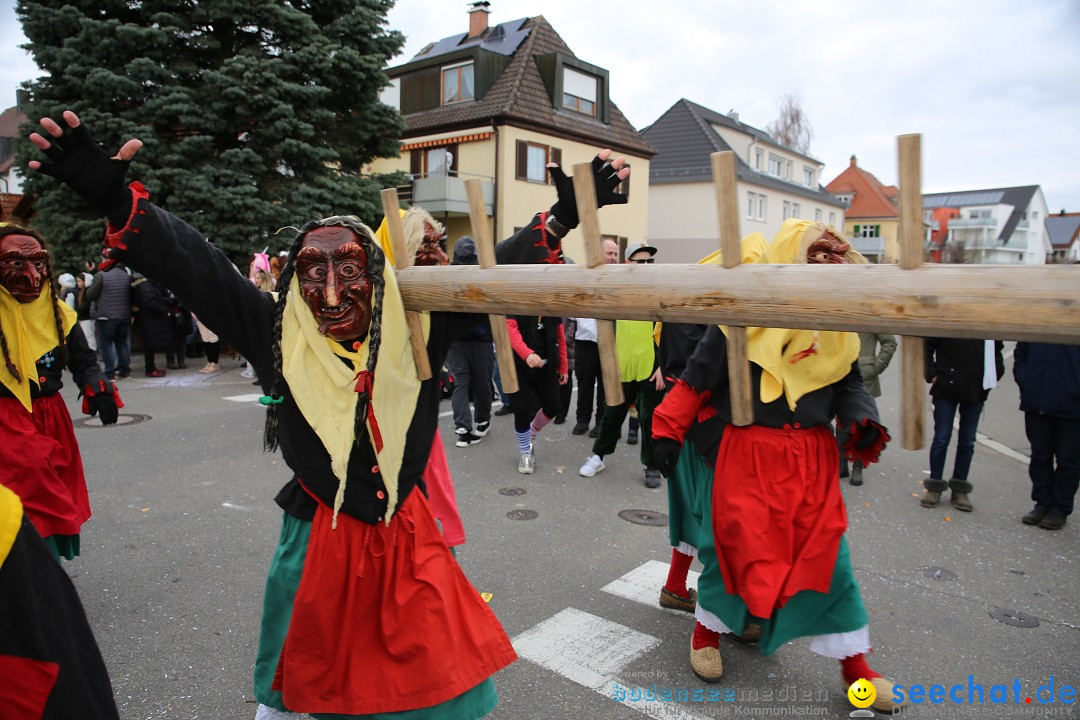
(870, 454)
(114, 236)
(678, 411)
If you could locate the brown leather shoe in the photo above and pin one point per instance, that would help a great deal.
(750, 634)
(709, 666)
(672, 601)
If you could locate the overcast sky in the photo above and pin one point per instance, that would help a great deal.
(993, 86)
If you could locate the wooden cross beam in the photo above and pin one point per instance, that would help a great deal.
(912, 349)
(391, 207)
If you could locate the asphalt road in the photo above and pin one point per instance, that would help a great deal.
(174, 558)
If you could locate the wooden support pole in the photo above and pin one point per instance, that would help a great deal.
(585, 192)
(391, 209)
(912, 348)
(485, 252)
(727, 206)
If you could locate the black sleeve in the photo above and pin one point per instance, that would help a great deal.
(707, 370)
(852, 402)
(171, 252)
(82, 361)
(93, 291)
(931, 351)
(999, 358)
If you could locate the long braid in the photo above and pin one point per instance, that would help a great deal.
(7, 357)
(58, 319)
(376, 261)
(277, 387)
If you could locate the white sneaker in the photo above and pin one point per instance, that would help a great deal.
(526, 464)
(248, 373)
(592, 466)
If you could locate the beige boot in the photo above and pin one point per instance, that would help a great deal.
(707, 663)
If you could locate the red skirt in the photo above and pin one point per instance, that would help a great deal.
(384, 619)
(40, 461)
(441, 497)
(778, 513)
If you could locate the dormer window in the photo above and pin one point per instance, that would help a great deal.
(579, 91)
(457, 83)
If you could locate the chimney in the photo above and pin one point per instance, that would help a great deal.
(852, 161)
(733, 115)
(478, 18)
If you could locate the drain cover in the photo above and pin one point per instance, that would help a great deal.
(644, 517)
(936, 573)
(522, 514)
(511, 491)
(122, 419)
(1014, 618)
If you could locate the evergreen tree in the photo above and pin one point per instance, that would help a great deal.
(255, 114)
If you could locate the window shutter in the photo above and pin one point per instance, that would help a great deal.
(415, 160)
(555, 156)
(521, 166)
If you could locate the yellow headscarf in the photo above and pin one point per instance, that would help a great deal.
(796, 362)
(30, 332)
(324, 387)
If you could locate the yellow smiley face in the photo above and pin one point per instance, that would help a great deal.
(862, 693)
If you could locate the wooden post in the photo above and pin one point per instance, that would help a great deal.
(912, 349)
(391, 209)
(485, 252)
(727, 206)
(585, 192)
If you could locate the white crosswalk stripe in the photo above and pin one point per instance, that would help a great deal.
(643, 583)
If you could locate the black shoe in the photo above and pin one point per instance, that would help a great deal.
(580, 429)
(1035, 516)
(465, 439)
(652, 478)
(593, 433)
(1052, 521)
(559, 419)
(481, 429)
(504, 410)
(631, 437)
(856, 475)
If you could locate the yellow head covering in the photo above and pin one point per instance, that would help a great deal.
(796, 362)
(30, 332)
(324, 387)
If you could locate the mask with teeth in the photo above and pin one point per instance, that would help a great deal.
(332, 270)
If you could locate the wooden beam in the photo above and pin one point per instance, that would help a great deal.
(1038, 303)
(912, 348)
(585, 193)
(391, 209)
(727, 205)
(485, 253)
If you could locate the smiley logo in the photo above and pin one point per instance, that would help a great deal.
(862, 693)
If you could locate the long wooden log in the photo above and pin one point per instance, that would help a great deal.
(391, 208)
(485, 253)
(585, 194)
(912, 349)
(741, 392)
(1039, 303)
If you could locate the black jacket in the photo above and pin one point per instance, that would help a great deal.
(958, 366)
(1049, 378)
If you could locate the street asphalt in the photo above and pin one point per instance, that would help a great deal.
(175, 555)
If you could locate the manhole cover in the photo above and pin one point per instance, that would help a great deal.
(936, 573)
(644, 517)
(522, 514)
(1014, 618)
(512, 491)
(122, 419)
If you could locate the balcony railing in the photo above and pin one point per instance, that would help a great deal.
(972, 222)
(870, 247)
(445, 193)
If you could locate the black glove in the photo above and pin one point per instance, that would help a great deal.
(606, 180)
(666, 454)
(104, 406)
(85, 167)
(868, 435)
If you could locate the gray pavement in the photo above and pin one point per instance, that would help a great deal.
(184, 525)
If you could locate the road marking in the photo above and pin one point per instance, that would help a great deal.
(988, 442)
(643, 583)
(231, 506)
(250, 397)
(592, 652)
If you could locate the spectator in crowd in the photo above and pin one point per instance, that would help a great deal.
(153, 320)
(1049, 381)
(587, 363)
(111, 292)
(471, 365)
(875, 354)
(961, 374)
(86, 309)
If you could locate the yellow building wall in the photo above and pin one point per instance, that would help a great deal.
(889, 229)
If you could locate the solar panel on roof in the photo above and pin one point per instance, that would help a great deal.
(504, 39)
(964, 199)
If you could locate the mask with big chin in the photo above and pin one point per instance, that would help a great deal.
(332, 270)
(23, 267)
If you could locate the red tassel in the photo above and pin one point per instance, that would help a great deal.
(364, 383)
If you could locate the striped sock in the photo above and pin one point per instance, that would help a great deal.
(524, 438)
(539, 422)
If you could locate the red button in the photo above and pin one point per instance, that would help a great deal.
(797, 425)
(41, 379)
(356, 345)
(375, 468)
(380, 494)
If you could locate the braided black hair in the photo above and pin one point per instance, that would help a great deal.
(12, 229)
(376, 263)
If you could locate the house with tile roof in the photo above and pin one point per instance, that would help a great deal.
(995, 226)
(498, 103)
(774, 182)
(1064, 231)
(871, 220)
(12, 201)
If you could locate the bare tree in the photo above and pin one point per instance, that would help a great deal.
(792, 128)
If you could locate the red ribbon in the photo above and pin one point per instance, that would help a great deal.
(364, 383)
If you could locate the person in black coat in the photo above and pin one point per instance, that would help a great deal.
(154, 320)
(1049, 380)
(961, 374)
